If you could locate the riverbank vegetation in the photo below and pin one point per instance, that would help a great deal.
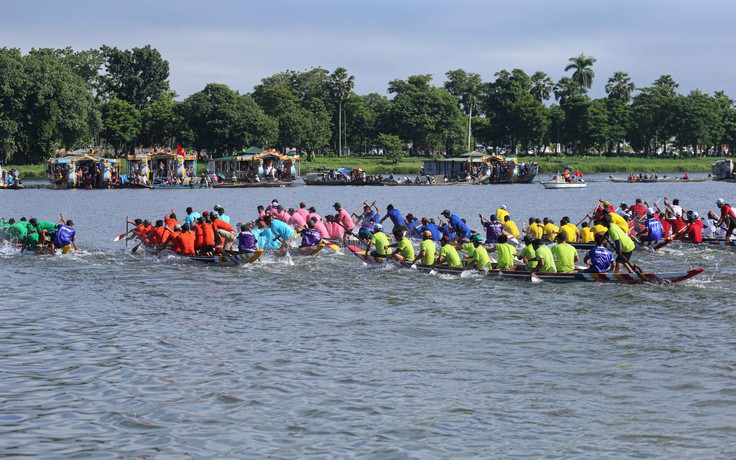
(119, 100)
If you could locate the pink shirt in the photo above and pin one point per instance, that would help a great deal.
(346, 220)
(303, 212)
(335, 230)
(320, 227)
(282, 216)
(314, 215)
(297, 221)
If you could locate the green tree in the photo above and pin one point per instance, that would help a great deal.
(139, 76)
(159, 122)
(340, 85)
(120, 123)
(12, 99)
(582, 72)
(653, 118)
(566, 88)
(541, 86)
(393, 148)
(466, 87)
(620, 87)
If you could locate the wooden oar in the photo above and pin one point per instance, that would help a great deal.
(587, 216)
(135, 248)
(127, 224)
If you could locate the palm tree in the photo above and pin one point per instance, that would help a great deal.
(619, 86)
(340, 85)
(466, 87)
(541, 86)
(583, 74)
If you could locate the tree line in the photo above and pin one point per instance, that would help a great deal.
(121, 99)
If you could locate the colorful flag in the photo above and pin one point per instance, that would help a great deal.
(180, 150)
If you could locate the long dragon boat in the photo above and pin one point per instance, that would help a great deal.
(570, 277)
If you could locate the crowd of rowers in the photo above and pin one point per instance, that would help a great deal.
(38, 236)
(620, 229)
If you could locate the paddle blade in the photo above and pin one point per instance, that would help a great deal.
(332, 245)
(119, 237)
(535, 279)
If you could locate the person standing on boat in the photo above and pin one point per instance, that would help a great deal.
(600, 258)
(728, 217)
(448, 255)
(458, 226)
(427, 249)
(566, 254)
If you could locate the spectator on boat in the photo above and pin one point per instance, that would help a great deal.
(600, 258)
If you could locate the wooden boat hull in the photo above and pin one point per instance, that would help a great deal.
(645, 181)
(232, 258)
(572, 277)
(296, 251)
(718, 242)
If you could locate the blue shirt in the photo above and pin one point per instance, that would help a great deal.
(64, 235)
(445, 230)
(372, 215)
(281, 230)
(395, 217)
(600, 260)
(224, 217)
(191, 218)
(457, 224)
(412, 227)
(432, 228)
(266, 240)
(654, 227)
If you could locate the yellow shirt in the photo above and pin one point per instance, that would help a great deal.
(587, 235)
(619, 221)
(501, 214)
(599, 229)
(510, 227)
(550, 231)
(535, 230)
(571, 231)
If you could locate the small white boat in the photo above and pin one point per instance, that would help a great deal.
(561, 183)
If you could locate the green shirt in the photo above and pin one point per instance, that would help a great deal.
(429, 252)
(18, 231)
(379, 240)
(31, 240)
(452, 258)
(543, 253)
(627, 244)
(529, 254)
(565, 257)
(45, 225)
(406, 249)
(480, 255)
(506, 254)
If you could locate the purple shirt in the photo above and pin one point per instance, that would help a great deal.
(247, 242)
(310, 237)
(493, 231)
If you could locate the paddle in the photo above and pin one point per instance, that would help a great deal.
(587, 216)
(534, 278)
(74, 245)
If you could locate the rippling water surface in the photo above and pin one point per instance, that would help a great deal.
(104, 353)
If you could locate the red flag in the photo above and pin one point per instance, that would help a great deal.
(180, 150)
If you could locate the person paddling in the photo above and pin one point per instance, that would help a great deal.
(404, 249)
(379, 241)
(310, 236)
(427, 249)
(448, 255)
(506, 253)
(600, 258)
(566, 254)
(728, 218)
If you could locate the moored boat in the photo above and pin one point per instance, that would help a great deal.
(559, 183)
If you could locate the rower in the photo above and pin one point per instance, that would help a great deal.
(509, 226)
(344, 219)
(185, 241)
(221, 213)
(528, 255)
(64, 237)
(156, 236)
(427, 249)
(695, 229)
(379, 240)
(586, 233)
(728, 217)
(502, 213)
(431, 227)
(303, 211)
(296, 220)
(570, 229)
(600, 258)
(493, 228)
(622, 243)
(31, 241)
(368, 213)
(458, 226)
(566, 254)
(247, 242)
(404, 249)
(479, 259)
(395, 216)
(310, 236)
(653, 230)
(544, 258)
(170, 220)
(506, 253)
(224, 231)
(281, 231)
(448, 255)
(191, 217)
(550, 230)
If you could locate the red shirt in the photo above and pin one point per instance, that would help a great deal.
(638, 210)
(155, 236)
(198, 236)
(221, 224)
(726, 210)
(666, 227)
(695, 231)
(184, 243)
(208, 238)
(677, 225)
(171, 223)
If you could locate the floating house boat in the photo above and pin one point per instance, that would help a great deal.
(723, 170)
(161, 169)
(482, 168)
(82, 169)
(255, 167)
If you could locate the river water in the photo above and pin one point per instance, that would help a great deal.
(108, 354)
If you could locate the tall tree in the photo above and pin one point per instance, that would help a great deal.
(620, 87)
(466, 88)
(541, 86)
(566, 88)
(582, 73)
(340, 85)
(138, 76)
(12, 99)
(121, 123)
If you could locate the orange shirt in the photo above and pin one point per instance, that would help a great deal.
(221, 224)
(171, 237)
(198, 236)
(209, 234)
(184, 243)
(156, 236)
(171, 223)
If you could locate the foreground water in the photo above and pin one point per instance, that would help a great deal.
(104, 353)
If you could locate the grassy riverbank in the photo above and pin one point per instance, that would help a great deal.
(411, 165)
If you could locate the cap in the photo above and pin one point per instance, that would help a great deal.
(695, 215)
(206, 213)
(275, 203)
(476, 238)
(378, 227)
(337, 205)
(650, 211)
(217, 206)
(720, 201)
(503, 206)
(426, 234)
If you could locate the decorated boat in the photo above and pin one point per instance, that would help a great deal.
(341, 176)
(10, 179)
(82, 169)
(570, 277)
(482, 168)
(723, 170)
(161, 169)
(255, 167)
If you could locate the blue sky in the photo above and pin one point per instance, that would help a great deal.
(240, 42)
